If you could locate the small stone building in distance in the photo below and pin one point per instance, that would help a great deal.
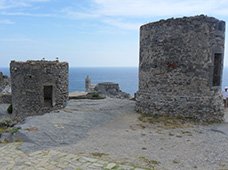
(38, 86)
(180, 70)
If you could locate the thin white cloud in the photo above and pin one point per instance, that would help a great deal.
(9, 4)
(15, 40)
(27, 14)
(38, 0)
(122, 24)
(19, 8)
(110, 11)
(70, 13)
(148, 8)
(6, 22)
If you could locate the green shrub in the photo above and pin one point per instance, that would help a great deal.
(13, 130)
(95, 95)
(10, 109)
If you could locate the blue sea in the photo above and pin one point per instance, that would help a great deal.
(127, 77)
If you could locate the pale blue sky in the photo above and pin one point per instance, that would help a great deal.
(88, 33)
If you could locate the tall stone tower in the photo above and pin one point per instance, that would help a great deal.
(180, 70)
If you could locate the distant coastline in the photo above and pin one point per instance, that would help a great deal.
(127, 77)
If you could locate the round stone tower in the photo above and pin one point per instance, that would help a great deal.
(180, 69)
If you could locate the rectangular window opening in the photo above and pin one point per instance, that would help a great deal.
(217, 69)
(48, 96)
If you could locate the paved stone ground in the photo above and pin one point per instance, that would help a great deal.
(14, 159)
(72, 124)
(41, 137)
(107, 131)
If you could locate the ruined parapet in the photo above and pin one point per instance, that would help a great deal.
(38, 86)
(111, 89)
(180, 70)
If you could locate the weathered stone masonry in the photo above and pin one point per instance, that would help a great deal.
(38, 86)
(180, 70)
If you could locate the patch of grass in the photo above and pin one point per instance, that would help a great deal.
(134, 165)
(98, 154)
(114, 168)
(78, 169)
(149, 163)
(167, 121)
(95, 95)
(92, 96)
(11, 130)
(18, 140)
(5, 141)
(2, 130)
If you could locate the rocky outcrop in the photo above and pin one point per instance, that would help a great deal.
(111, 89)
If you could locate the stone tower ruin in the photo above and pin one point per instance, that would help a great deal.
(38, 86)
(180, 70)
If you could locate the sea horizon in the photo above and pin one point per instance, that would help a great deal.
(126, 77)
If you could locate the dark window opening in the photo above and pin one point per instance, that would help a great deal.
(48, 96)
(221, 25)
(217, 69)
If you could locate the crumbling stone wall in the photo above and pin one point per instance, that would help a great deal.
(180, 70)
(38, 86)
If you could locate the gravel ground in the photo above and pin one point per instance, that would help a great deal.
(110, 129)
